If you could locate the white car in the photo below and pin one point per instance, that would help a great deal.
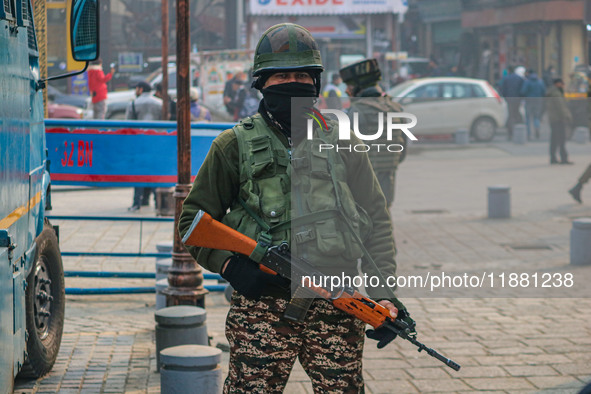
(443, 105)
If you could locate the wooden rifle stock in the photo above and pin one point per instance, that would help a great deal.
(206, 232)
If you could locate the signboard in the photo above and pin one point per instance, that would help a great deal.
(327, 7)
(130, 62)
(122, 157)
(217, 68)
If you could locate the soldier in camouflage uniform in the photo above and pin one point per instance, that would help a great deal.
(369, 101)
(250, 180)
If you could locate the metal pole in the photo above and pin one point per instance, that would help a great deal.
(165, 105)
(368, 37)
(185, 279)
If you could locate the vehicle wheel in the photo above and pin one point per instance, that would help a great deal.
(45, 300)
(117, 115)
(484, 129)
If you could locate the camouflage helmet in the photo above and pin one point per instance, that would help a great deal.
(361, 74)
(286, 46)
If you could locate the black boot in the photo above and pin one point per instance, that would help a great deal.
(576, 192)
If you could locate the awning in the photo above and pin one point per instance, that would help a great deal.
(327, 7)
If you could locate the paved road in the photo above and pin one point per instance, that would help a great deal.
(514, 343)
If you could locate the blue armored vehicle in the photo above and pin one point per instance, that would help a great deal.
(32, 297)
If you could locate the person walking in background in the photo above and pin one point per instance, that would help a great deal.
(575, 192)
(247, 101)
(510, 88)
(332, 94)
(97, 85)
(144, 107)
(533, 90)
(171, 102)
(560, 119)
(198, 112)
(230, 91)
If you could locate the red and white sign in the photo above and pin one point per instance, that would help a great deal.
(327, 7)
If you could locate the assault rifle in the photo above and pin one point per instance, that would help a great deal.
(207, 232)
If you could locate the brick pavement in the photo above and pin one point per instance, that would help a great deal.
(511, 344)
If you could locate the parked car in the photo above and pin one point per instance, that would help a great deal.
(117, 102)
(56, 96)
(443, 105)
(63, 111)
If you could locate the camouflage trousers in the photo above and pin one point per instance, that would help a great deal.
(264, 347)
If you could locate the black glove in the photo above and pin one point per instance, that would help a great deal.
(383, 335)
(247, 279)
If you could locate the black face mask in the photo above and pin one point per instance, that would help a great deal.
(277, 102)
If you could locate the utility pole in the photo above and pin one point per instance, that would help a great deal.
(165, 105)
(185, 278)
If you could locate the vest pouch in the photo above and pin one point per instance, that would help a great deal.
(261, 157)
(330, 241)
(274, 204)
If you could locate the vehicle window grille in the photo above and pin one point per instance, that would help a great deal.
(87, 34)
(25, 11)
(7, 7)
(32, 41)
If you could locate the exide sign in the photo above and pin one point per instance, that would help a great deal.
(326, 7)
(310, 2)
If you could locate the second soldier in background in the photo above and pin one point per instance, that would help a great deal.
(370, 100)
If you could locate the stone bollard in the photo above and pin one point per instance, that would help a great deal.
(581, 135)
(520, 134)
(191, 369)
(165, 201)
(164, 247)
(162, 267)
(161, 284)
(180, 325)
(462, 137)
(580, 242)
(499, 202)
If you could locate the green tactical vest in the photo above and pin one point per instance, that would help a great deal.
(368, 109)
(317, 181)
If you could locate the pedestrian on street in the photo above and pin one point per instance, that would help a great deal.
(97, 85)
(533, 90)
(144, 107)
(230, 90)
(560, 120)
(251, 175)
(332, 93)
(575, 192)
(362, 83)
(510, 87)
(198, 112)
(171, 101)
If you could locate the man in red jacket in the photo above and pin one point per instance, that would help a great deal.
(97, 84)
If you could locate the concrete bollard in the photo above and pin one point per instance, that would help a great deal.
(580, 242)
(499, 202)
(180, 325)
(581, 135)
(462, 137)
(162, 267)
(164, 247)
(520, 134)
(161, 284)
(191, 369)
